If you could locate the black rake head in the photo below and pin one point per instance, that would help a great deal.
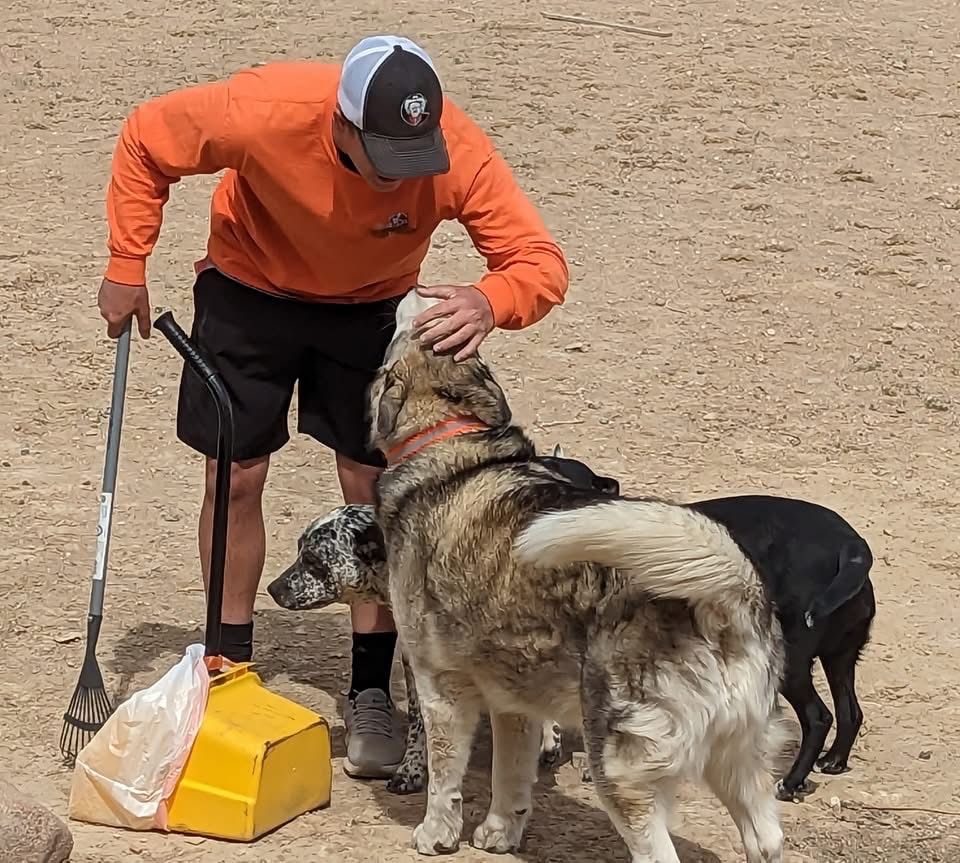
(88, 710)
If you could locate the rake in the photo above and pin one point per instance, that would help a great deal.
(90, 706)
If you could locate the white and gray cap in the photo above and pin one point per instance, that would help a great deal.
(390, 90)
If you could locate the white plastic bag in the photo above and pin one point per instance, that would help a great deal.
(125, 774)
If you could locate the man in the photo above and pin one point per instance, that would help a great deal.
(336, 178)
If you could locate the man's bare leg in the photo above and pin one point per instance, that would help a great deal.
(246, 548)
(375, 733)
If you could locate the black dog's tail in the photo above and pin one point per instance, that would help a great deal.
(853, 568)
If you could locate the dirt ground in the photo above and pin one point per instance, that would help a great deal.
(760, 212)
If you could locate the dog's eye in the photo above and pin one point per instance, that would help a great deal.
(449, 395)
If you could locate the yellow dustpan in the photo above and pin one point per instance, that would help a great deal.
(259, 760)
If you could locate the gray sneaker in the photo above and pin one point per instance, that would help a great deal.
(375, 736)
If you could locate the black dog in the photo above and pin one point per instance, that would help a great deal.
(578, 473)
(816, 569)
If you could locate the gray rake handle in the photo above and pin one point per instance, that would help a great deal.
(110, 472)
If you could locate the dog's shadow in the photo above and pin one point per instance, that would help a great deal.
(561, 828)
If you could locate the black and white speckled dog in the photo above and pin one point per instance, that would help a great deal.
(341, 558)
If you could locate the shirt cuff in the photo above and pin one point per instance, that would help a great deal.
(500, 296)
(127, 271)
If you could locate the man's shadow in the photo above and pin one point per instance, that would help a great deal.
(310, 649)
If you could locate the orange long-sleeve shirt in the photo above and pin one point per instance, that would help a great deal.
(288, 217)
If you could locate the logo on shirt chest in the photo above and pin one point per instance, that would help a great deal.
(398, 223)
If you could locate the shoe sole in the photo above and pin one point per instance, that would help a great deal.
(355, 772)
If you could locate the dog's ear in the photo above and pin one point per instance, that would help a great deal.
(391, 401)
(491, 407)
(489, 404)
(557, 451)
(369, 545)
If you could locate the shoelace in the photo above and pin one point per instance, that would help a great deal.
(373, 718)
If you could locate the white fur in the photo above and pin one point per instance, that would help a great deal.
(326, 518)
(719, 730)
(409, 308)
(675, 552)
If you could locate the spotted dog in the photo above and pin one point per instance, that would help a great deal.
(341, 558)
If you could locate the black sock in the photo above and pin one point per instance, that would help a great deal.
(372, 661)
(236, 641)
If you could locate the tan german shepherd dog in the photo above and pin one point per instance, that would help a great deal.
(520, 594)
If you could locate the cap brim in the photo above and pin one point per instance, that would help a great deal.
(405, 158)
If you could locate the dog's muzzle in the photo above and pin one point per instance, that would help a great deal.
(281, 588)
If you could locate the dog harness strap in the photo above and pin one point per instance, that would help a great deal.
(443, 430)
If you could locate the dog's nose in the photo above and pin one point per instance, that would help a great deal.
(610, 486)
(279, 590)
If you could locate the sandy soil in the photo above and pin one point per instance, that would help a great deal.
(761, 217)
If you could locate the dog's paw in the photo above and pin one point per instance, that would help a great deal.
(585, 775)
(433, 837)
(768, 849)
(550, 757)
(498, 835)
(831, 766)
(792, 795)
(551, 746)
(406, 782)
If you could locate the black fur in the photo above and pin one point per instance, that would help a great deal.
(579, 474)
(816, 568)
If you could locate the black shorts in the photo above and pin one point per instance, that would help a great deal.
(263, 345)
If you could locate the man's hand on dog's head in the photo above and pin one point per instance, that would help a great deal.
(458, 323)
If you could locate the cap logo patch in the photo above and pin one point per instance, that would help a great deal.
(414, 109)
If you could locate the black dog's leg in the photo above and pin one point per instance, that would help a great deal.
(840, 671)
(815, 721)
(410, 776)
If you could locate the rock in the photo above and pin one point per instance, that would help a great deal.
(30, 833)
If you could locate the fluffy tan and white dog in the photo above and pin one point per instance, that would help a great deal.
(528, 597)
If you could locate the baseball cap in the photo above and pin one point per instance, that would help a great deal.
(389, 90)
